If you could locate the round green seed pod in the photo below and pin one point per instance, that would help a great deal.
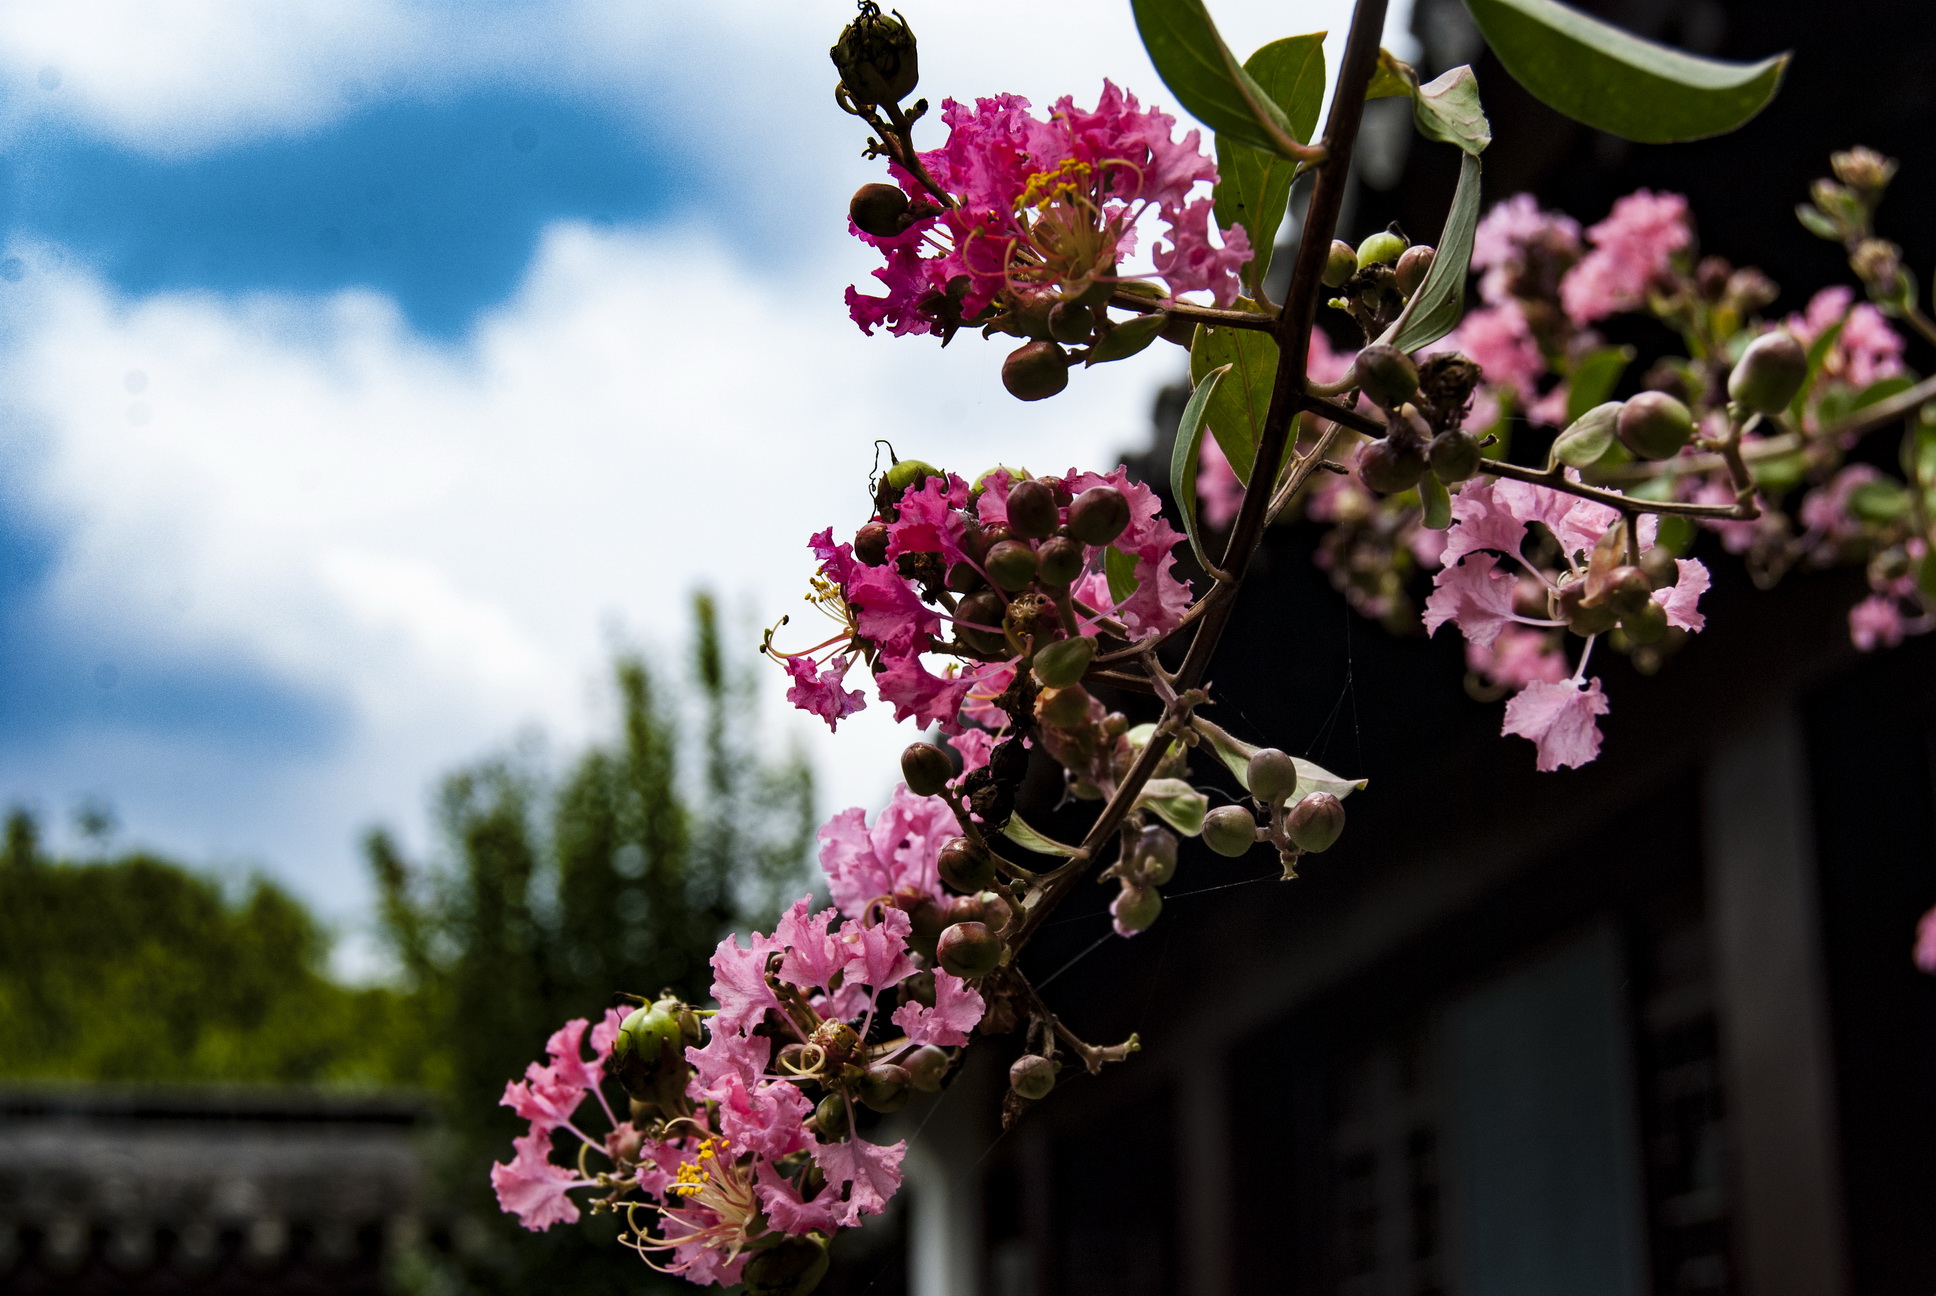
(1063, 708)
(1654, 425)
(1382, 247)
(877, 209)
(870, 544)
(1769, 373)
(1315, 823)
(649, 1040)
(1035, 371)
(969, 949)
(1454, 456)
(1058, 561)
(1385, 375)
(1011, 564)
(925, 1067)
(1647, 624)
(884, 1087)
(982, 608)
(1581, 619)
(1230, 830)
(1340, 263)
(1136, 908)
(1032, 1076)
(1272, 775)
(1064, 662)
(1070, 322)
(830, 1117)
(1098, 515)
(1032, 513)
(1661, 568)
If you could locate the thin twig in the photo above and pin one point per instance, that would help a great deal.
(1185, 310)
(1743, 511)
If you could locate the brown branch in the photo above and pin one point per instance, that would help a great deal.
(1737, 512)
(1185, 310)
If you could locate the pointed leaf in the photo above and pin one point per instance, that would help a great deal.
(1253, 186)
(1587, 438)
(1176, 803)
(1447, 109)
(1593, 380)
(1120, 568)
(1436, 307)
(1312, 777)
(1817, 356)
(1234, 754)
(1241, 401)
(1127, 338)
(1435, 503)
(1391, 78)
(1616, 82)
(1018, 831)
(1206, 78)
(1187, 453)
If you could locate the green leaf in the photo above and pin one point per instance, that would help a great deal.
(1435, 308)
(1253, 186)
(1588, 437)
(1447, 109)
(1676, 534)
(1616, 82)
(1018, 831)
(1176, 803)
(1121, 570)
(1880, 390)
(1312, 777)
(1776, 475)
(1127, 338)
(1594, 378)
(1185, 455)
(1234, 754)
(1882, 500)
(1206, 78)
(1436, 503)
(1391, 78)
(1818, 222)
(1238, 406)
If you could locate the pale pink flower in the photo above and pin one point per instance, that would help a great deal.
(1682, 598)
(897, 853)
(1560, 719)
(1520, 655)
(870, 1173)
(1427, 546)
(1480, 521)
(1323, 364)
(543, 1098)
(1633, 249)
(878, 952)
(766, 1117)
(1826, 508)
(534, 1189)
(1866, 351)
(1474, 595)
(1219, 492)
(1874, 623)
(957, 1010)
(1736, 537)
(973, 746)
(728, 1052)
(1550, 410)
(1511, 232)
(739, 984)
(1926, 942)
(1501, 343)
(783, 1206)
(814, 957)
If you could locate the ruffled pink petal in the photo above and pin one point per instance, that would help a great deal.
(1475, 596)
(957, 1010)
(1560, 719)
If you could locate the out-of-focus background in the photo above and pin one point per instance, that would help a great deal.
(413, 412)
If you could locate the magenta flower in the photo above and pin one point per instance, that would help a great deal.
(957, 1010)
(820, 692)
(1475, 596)
(1633, 249)
(534, 1189)
(866, 1174)
(894, 856)
(1875, 622)
(1517, 237)
(1560, 719)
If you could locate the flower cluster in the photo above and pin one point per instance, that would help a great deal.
(740, 1156)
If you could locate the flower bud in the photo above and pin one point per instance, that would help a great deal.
(1412, 267)
(1272, 776)
(830, 1117)
(963, 579)
(1654, 425)
(1035, 371)
(1135, 908)
(1230, 830)
(1032, 1076)
(1646, 624)
(926, 769)
(1031, 510)
(1011, 564)
(649, 1041)
(1072, 323)
(917, 988)
(1769, 373)
(877, 209)
(1628, 590)
(1863, 170)
(1581, 619)
(1385, 245)
(965, 866)
(969, 950)
(870, 544)
(1388, 469)
(1156, 854)
(1099, 515)
(1385, 375)
(793, 1266)
(1340, 264)
(1058, 562)
(1316, 822)
(901, 477)
(1064, 662)
(983, 608)
(1660, 567)
(876, 58)
(925, 1067)
(1454, 455)
(884, 1087)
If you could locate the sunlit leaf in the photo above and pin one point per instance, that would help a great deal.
(1436, 307)
(1254, 186)
(1616, 82)
(1187, 453)
(1391, 78)
(1447, 109)
(1588, 437)
(1241, 401)
(1176, 803)
(1313, 777)
(1882, 500)
(1120, 568)
(1234, 754)
(1018, 831)
(1206, 78)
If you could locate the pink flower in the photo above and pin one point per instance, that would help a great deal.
(1866, 350)
(820, 693)
(1826, 509)
(1191, 262)
(1474, 595)
(728, 1052)
(869, 1173)
(1559, 718)
(785, 1209)
(1576, 523)
(542, 1098)
(1874, 623)
(1926, 942)
(534, 1189)
(739, 985)
(878, 953)
(897, 853)
(1520, 655)
(1633, 249)
(767, 1118)
(1736, 537)
(930, 520)
(1479, 521)
(814, 957)
(916, 692)
(889, 612)
(1514, 232)
(957, 1010)
(1500, 342)
(1323, 364)
(1681, 599)
(1159, 600)
(974, 747)
(1219, 493)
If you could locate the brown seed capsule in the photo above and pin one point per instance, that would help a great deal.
(1388, 469)
(1011, 564)
(926, 769)
(918, 988)
(1654, 425)
(1032, 1076)
(870, 544)
(1229, 830)
(1098, 515)
(969, 949)
(884, 1087)
(1661, 568)
(1385, 375)
(877, 209)
(963, 579)
(1315, 823)
(877, 58)
(1272, 775)
(966, 867)
(1031, 510)
(1413, 264)
(1071, 323)
(1581, 619)
(1035, 371)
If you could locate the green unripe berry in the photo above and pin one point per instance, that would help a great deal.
(1156, 854)
(1035, 371)
(1654, 425)
(1315, 823)
(1581, 619)
(1385, 375)
(1454, 456)
(1098, 515)
(926, 769)
(1388, 469)
(1413, 266)
(1011, 564)
(1032, 1076)
(908, 474)
(1136, 908)
(1064, 662)
(1230, 830)
(649, 1040)
(925, 1067)
(1339, 264)
(1380, 248)
(1647, 624)
(969, 950)
(884, 1087)
(983, 608)
(830, 1117)
(966, 867)
(877, 209)
(1628, 591)
(1272, 775)
(1058, 561)
(1032, 513)
(1769, 373)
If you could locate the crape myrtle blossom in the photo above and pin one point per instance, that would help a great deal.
(723, 1150)
(1633, 251)
(1866, 350)
(1048, 208)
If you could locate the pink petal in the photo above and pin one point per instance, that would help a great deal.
(1475, 595)
(532, 1188)
(872, 1170)
(1683, 597)
(1559, 718)
(957, 1010)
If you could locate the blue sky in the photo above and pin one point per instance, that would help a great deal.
(361, 362)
